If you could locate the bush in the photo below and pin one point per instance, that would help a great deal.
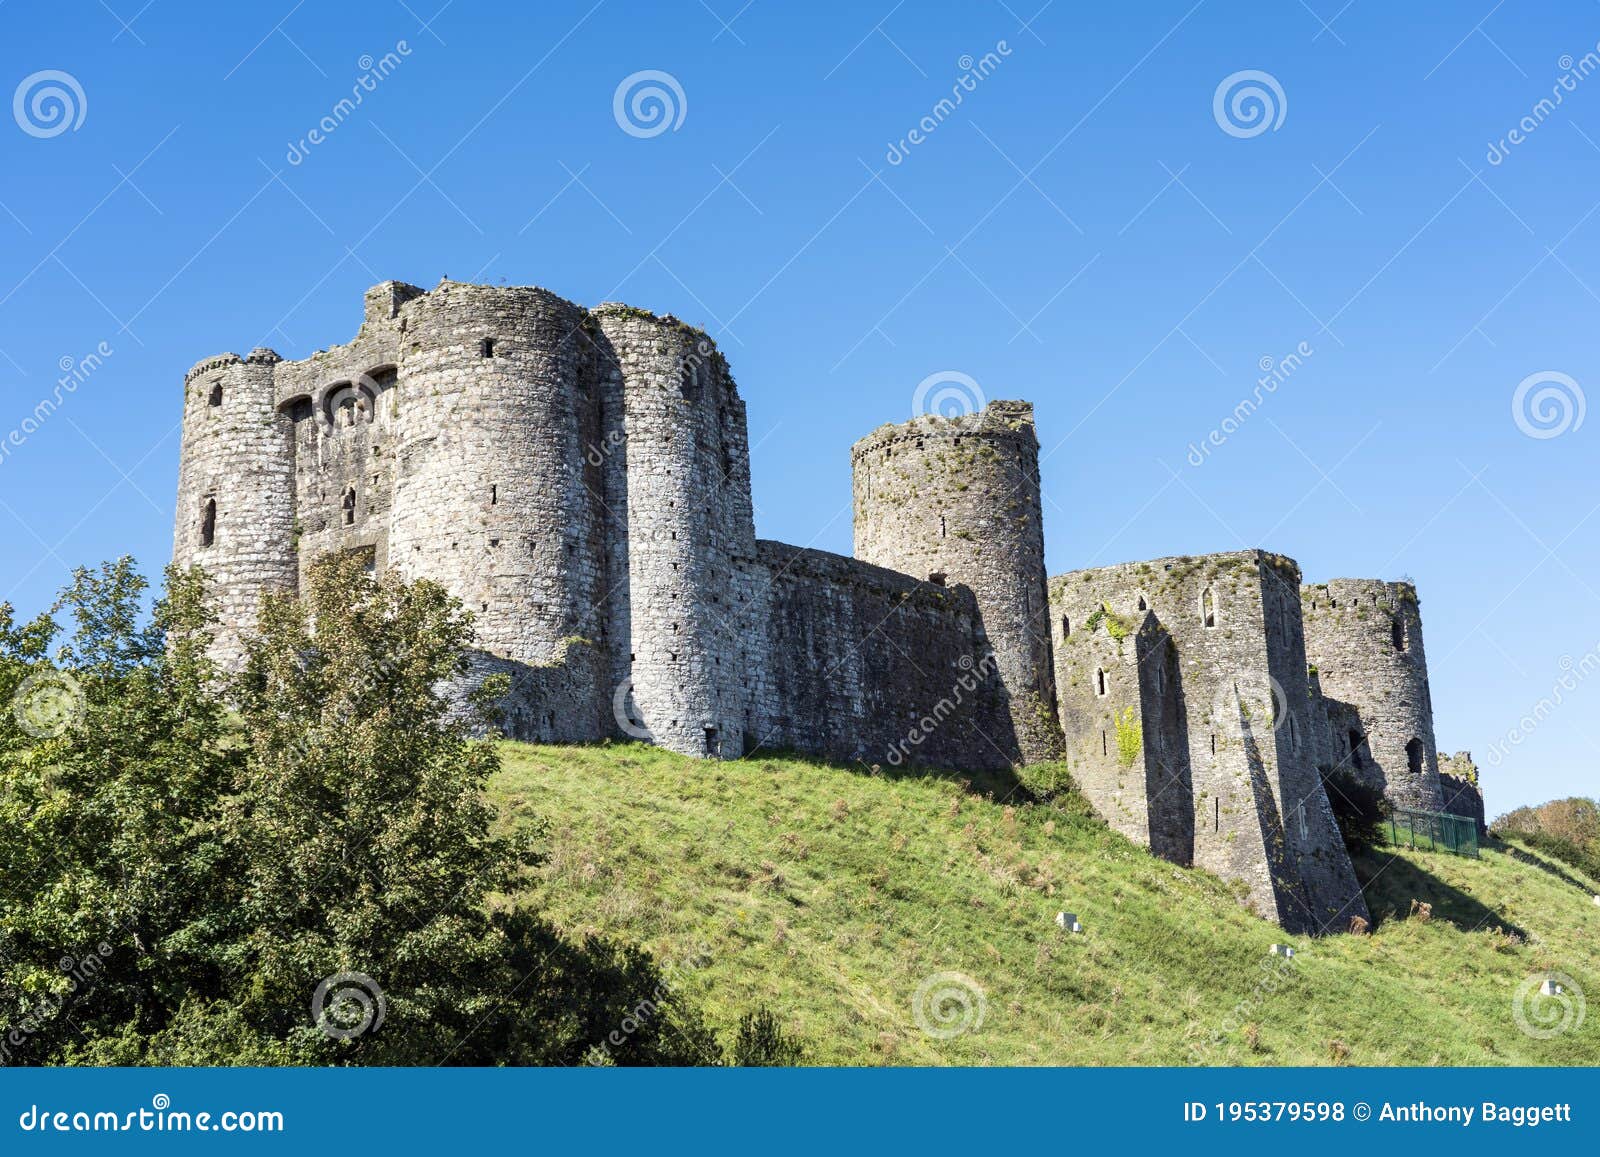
(762, 1042)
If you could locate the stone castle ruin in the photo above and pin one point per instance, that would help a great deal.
(581, 480)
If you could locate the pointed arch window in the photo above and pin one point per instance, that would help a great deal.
(350, 506)
(208, 522)
(1208, 608)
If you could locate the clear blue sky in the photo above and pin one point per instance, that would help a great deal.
(1080, 231)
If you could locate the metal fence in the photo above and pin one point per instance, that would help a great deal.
(1434, 831)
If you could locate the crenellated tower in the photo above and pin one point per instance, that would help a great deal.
(957, 500)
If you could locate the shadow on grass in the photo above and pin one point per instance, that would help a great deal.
(1390, 883)
(1534, 860)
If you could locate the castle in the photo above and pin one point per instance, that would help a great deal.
(581, 480)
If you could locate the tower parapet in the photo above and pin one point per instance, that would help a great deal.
(957, 500)
(1364, 639)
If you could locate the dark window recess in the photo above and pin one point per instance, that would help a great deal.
(208, 522)
(350, 506)
(711, 741)
(1397, 634)
(1414, 756)
(1066, 626)
(1143, 606)
(1355, 748)
(486, 348)
(216, 394)
(494, 494)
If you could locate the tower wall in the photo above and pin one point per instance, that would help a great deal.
(1224, 766)
(235, 509)
(493, 498)
(1364, 637)
(960, 498)
(678, 487)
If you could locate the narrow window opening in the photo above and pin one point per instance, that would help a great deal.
(1305, 832)
(494, 494)
(1143, 605)
(1216, 810)
(941, 526)
(1104, 748)
(216, 394)
(486, 348)
(1208, 608)
(208, 522)
(1099, 680)
(1397, 634)
(1066, 626)
(1213, 743)
(350, 506)
(1414, 754)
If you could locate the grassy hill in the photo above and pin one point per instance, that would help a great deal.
(830, 895)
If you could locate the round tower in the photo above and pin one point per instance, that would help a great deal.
(491, 495)
(679, 486)
(1364, 640)
(957, 500)
(235, 514)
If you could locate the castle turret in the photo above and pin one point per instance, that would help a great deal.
(1364, 639)
(492, 496)
(235, 513)
(677, 480)
(957, 500)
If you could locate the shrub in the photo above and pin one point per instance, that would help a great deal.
(1358, 808)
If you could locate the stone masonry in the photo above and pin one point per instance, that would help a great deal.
(580, 479)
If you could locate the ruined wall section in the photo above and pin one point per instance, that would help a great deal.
(960, 498)
(235, 508)
(874, 666)
(1233, 702)
(1364, 637)
(1463, 794)
(678, 484)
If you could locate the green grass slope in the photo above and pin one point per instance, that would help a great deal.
(831, 895)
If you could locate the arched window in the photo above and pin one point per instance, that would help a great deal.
(1397, 633)
(1208, 608)
(1099, 680)
(208, 522)
(1143, 605)
(1066, 626)
(1414, 756)
(350, 506)
(216, 394)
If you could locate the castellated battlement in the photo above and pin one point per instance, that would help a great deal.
(580, 479)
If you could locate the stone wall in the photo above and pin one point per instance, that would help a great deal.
(1364, 638)
(1186, 709)
(1458, 783)
(868, 665)
(959, 498)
